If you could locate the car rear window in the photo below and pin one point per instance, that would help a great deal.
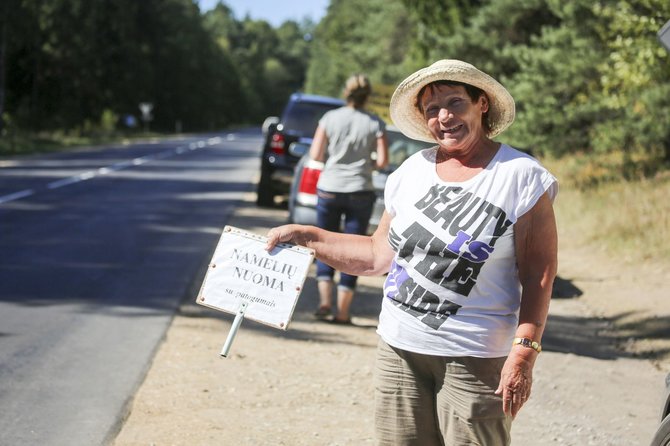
(402, 147)
(303, 117)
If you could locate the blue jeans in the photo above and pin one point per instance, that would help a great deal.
(356, 207)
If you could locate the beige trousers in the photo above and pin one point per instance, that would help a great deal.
(427, 400)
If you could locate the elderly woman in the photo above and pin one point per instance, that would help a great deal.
(469, 243)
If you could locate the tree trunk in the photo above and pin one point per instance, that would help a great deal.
(3, 55)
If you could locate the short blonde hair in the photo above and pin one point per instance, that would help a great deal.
(357, 89)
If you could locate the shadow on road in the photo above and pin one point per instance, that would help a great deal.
(565, 289)
(582, 336)
(605, 338)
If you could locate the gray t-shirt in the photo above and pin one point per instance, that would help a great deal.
(352, 137)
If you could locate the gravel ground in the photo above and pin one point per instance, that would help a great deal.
(599, 380)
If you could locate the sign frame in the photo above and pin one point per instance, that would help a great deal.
(241, 270)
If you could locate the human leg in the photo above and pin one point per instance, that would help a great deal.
(405, 398)
(469, 412)
(329, 215)
(357, 211)
(344, 298)
(325, 287)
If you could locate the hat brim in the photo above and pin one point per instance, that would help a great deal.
(407, 117)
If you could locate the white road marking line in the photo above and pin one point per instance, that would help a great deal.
(112, 168)
(71, 180)
(16, 195)
(122, 165)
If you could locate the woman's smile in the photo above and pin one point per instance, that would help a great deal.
(450, 131)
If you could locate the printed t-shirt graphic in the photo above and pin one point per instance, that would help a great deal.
(454, 277)
(451, 258)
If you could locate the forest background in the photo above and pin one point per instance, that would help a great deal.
(590, 79)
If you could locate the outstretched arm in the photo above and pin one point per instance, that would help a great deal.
(360, 255)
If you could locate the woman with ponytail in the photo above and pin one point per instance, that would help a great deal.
(345, 140)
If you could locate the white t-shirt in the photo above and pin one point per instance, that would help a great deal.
(453, 289)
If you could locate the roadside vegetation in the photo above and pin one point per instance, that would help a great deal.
(78, 68)
(590, 79)
(627, 221)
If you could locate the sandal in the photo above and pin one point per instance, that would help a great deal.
(341, 322)
(322, 312)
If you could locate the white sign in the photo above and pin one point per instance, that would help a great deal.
(244, 276)
(145, 108)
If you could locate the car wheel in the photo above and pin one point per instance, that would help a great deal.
(265, 195)
(662, 437)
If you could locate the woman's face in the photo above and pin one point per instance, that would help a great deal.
(453, 119)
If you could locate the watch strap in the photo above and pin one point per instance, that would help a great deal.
(527, 342)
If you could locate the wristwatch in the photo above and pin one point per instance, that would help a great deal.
(527, 342)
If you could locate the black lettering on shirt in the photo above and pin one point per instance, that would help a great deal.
(422, 304)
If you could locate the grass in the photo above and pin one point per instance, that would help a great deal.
(626, 219)
(26, 144)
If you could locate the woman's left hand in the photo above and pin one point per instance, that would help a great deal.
(516, 380)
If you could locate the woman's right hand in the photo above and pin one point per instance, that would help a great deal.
(286, 234)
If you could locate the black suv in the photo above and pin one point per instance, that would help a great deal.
(297, 124)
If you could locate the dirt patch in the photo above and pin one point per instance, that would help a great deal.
(598, 381)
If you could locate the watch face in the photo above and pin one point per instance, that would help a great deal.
(526, 342)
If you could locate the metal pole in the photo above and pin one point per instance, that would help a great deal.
(233, 329)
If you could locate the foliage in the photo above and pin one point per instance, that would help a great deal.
(433, 23)
(588, 77)
(635, 82)
(359, 36)
(68, 61)
(556, 105)
(271, 63)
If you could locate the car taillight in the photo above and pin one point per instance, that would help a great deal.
(309, 177)
(277, 144)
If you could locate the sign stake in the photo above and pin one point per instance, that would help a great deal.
(233, 329)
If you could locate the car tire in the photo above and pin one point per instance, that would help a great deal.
(662, 437)
(265, 195)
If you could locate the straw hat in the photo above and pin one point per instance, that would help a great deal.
(407, 117)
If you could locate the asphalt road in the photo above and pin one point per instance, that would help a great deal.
(97, 249)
